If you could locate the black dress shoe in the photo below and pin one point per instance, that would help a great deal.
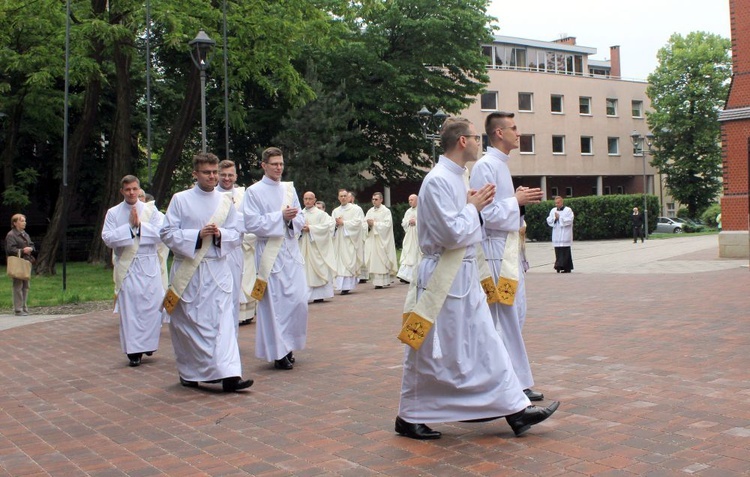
(378, 287)
(344, 292)
(150, 353)
(135, 359)
(402, 280)
(415, 431)
(188, 384)
(283, 363)
(319, 300)
(290, 357)
(522, 421)
(235, 383)
(533, 395)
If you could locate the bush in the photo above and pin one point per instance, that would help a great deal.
(596, 217)
(709, 216)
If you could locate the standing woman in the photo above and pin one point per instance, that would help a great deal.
(18, 240)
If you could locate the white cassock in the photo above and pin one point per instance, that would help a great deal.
(500, 217)
(346, 243)
(380, 246)
(236, 259)
(364, 274)
(140, 296)
(202, 325)
(282, 313)
(474, 378)
(249, 274)
(410, 254)
(316, 246)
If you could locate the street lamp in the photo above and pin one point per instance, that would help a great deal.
(431, 125)
(638, 140)
(200, 49)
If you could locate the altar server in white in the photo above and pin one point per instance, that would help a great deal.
(272, 212)
(131, 229)
(462, 370)
(200, 228)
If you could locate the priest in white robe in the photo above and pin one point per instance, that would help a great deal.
(503, 216)
(316, 245)
(462, 370)
(380, 246)
(561, 219)
(131, 230)
(272, 212)
(200, 228)
(410, 254)
(227, 185)
(347, 238)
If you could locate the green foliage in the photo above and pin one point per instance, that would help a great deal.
(596, 217)
(687, 91)
(17, 195)
(398, 211)
(709, 215)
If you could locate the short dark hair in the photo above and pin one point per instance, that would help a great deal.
(271, 152)
(129, 179)
(453, 129)
(204, 158)
(378, 194)
(490, 122)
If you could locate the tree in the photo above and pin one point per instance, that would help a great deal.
(687, 91)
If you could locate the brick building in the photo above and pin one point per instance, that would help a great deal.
(734, 241)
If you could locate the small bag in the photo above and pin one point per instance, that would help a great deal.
(19, 268)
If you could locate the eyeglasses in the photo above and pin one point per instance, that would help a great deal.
(475, 136)
(512, 128)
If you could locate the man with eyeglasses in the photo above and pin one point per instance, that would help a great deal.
(461, 370)
(380, 246)
(503, 219)
(272, 212)
(200, 228)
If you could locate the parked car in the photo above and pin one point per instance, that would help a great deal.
(666, 225)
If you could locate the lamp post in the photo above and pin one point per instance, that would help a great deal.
(200, 49)
(638, 140)
(431, 125)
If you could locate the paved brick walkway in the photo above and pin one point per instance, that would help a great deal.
(651, 369)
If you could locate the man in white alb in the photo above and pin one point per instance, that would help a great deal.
(410, 254)
(347, 237)
(201, 230)
(380, 247)
(461, 371)
(503, 219)
(316, 245)
(131, 230)
(271, 210)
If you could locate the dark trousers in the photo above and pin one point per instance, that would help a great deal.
(637, 232)
(563, 260)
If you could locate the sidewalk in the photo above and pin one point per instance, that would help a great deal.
(647, 347)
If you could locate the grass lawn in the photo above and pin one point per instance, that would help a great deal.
(656, 236)
(85, 282)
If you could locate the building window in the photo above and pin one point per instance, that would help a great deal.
(568, 192)
(613, 146)
(554, 192)
(525, 101)
(558, 144)
(638, 147)
(526, 144)
(587, 145)
(487, 53)
(620, 190)
(556, 101)
(489, 101)
(611, 107)
(584, 105)
(671, 209)
(485, 142)
(607, 190)
(637, 109)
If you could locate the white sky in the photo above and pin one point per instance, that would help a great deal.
(639, 27)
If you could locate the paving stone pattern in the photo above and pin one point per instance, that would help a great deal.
(651, 369)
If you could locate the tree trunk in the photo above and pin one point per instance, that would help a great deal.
(80, 138)
(181, 128)
(120, 160)
(11, 125)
